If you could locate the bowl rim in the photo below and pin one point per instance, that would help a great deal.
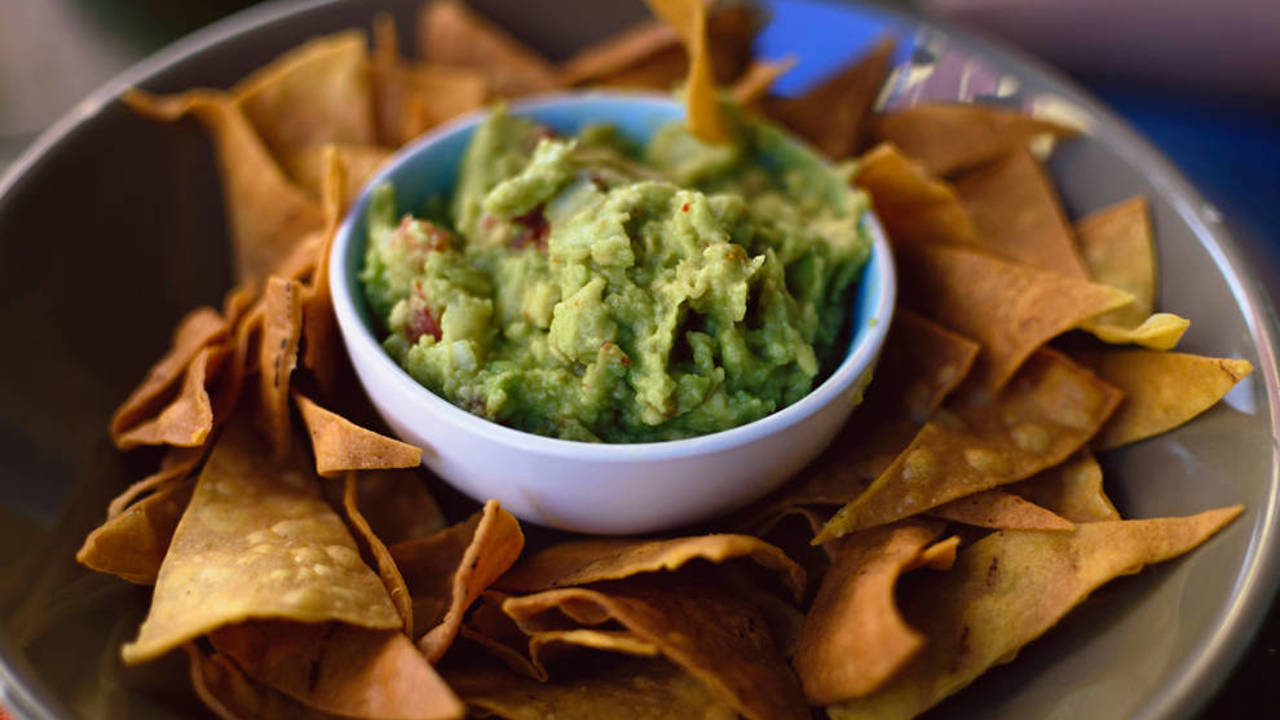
(423, 404)
(1183, 694)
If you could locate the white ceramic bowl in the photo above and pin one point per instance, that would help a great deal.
(588, 487)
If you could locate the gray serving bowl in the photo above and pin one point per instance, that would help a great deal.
(111, 227)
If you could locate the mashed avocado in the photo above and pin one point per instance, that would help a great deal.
(583, 289)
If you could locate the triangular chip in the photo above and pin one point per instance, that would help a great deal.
(699, 625)
(1162, 389)
(257, 542)
(758, 78)
(392, 580)
(853, 638)
(580, 562)
(176, 465)
(306, 165)
(914, 207)
(922, 362)
(315, 94)
(339, 669)
(948, 138)
(278, 356)
(1072, 490)
(831, 114)
(132, 545)
(999, 510)
(938, 556)
(1047, 412)
(1009, 308)
(341, 445)
(397, 505)
(268, 215)
(188, 419)
(1160, 331)
(447, 571)
(224, 689)
(702, 106)
(1007, 590)
(450, 33)
(1018, 214)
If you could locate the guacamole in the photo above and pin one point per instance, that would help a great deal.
(584, 289)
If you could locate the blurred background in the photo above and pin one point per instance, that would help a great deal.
(1199, 79)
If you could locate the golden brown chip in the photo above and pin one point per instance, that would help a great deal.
(948, 138)
(224, 689)
(1018, 214)
(1072, 490)
(132, 545)
(702, 106)
(398, 505)
(200, 328)
(758, 78)
(176, 465)
(831, 114)
(999, 510)
(188, 419)
(1162, 389)
(268, 215)
(1008, 589)
(339, 669)
(580, 562)
(1116, 245)
(1048, 411)
(257, 542)
(1160, 331)
(450, 33)
(699, 625)
(447, 571)
(392, 580)
(307, 167)
(914, 207)
(227, 395)
(635, 689)
(320, 346)
(922, 362)
(1010, 309)
(938, 556)
(278, 356)
(853, 638)
(341, 445)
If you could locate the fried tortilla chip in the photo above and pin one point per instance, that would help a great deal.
(922, 362)
(702, 108)
(1072, 490)
(392, 580)
(1162, 389)
(278, 356)
(188, 419)
(1008, 589)
(306, 166)
(1009, 308)
(636, 689)
(938, 556)
(450, 33)
(268, 214)
(914, 207)
(132, 545)
(320, 343)
(580, 562)
(315, 94)
(999, 510)
(447, 571)
(699, 625)
(340, 669)
(227, 395)
(397, 505)
(758, 78)
(1019, 215)
(257, 542)
(176, 465)
(198, 329)
(831, 114)
(948, 138)
(224, 689)
(1161, 331)
(1047, 412)
(854, 639)
(341, 445)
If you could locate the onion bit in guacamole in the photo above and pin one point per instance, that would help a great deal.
(585, 289)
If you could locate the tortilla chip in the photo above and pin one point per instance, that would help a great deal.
(1008, 589)
(198, 329)
(1018, 214)
(948, 138)
(634, 689)
(1047, 412)
(227, 395)
(1072, 490)
(1117, 248)
(176, 465)
(702, 107)
(320, 343)
(267, 214)
(1013, 310)
(392, 580)
(132, 545)
(1162, 389)
(1161, 331)
(257, 542)
(999, 510)
(450, 33)
(315, 94)
(922, 362)
(938, 556)
(831, 114)
(188, 419)
(853, 638)
(397, 505)
(339, 669)
(224, 689)
(306, 166)
(697, 624)
(341, 445)
(447, 571)
(758, 78)
(580, 562)
(914, 207)
(278, 356)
